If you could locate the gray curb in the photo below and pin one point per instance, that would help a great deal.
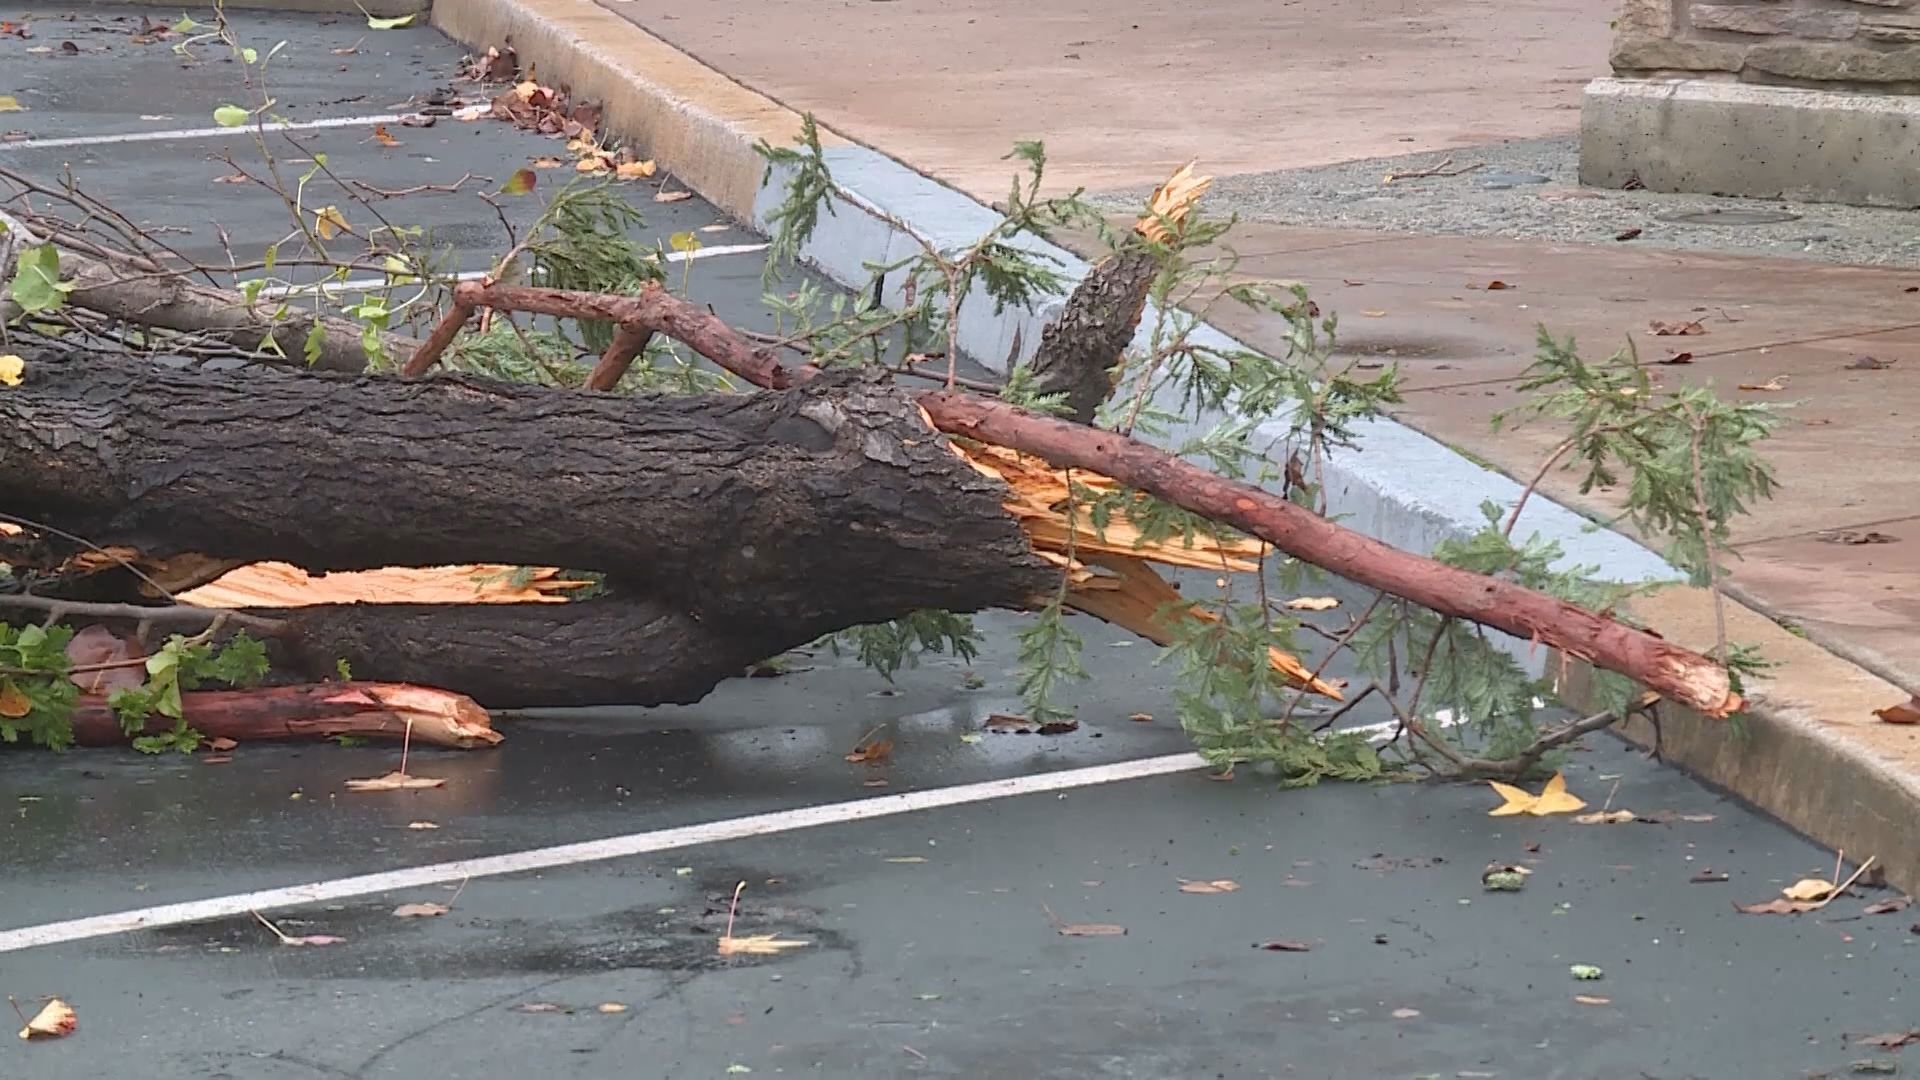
(1399, 485)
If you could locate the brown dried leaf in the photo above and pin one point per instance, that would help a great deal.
(634, 170)
(55, 1020)
(1059, 727)
(1662, 328)
(1887, 906)
(1011, 724)
(420, 911)
(1777, 906)
(1869, 363)
(1209, 888)
(395, 781)
(1907, 712)
(14, 702)
(384, 137)
(1892, 1040)
(231, 178)
(221, 744)
(872, 753)
(96, 645)
(1496, 285)
(1141, 717)
(1629, 234)
(1091, 929)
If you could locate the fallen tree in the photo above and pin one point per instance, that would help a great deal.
(728, 527)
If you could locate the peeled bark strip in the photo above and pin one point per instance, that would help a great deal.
(369, 710)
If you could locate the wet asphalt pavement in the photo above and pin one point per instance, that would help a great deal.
(932, 937)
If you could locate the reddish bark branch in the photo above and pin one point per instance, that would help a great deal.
(629, 341)
(1680, 674)
(313, 711)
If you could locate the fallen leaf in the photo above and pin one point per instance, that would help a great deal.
(1496, 285)
(634, 170)
(1887, 906)
(1141, 717)
(1504, 878)
(1907, 712)
(1776, 906)
(329, 222)
(1284, 945)
(421, 825)
(1629, 234)
(872, 753)
(1010, 724)
(348, 50)
(906, 858)
(55, 1020)
(395, 781)
(1585, 972)
(593, 163)
(1553, 799)
(758, 945)
(520, 183)
(420, 911)
(394, 23)
(14, 702)
(12, 369)
(1590, 999)
(9, 103)
(289, 939)
(1209, 888)
(1679, 358)
(1313, 603)
(1091, 929)
(1604, 817)
(1868, 363)
(231, 178)
(384, 137)
(672, 196)
(1662, 328)
(1771, 386)
(1405, 1014)
(1374, 314)
(547, 163)
(221, 744)
(1892, 1040)
(97, 647)
(539, 1007)
(1708, 877)
(1808, 889)
(610, 1007)
(1059, 727)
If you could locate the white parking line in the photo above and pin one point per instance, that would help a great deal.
(614, 847)
(214, 132)
(358, 284)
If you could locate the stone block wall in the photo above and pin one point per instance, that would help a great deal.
(1864, 45)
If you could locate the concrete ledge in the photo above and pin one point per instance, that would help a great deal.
(1723, 138)
(1815, 757)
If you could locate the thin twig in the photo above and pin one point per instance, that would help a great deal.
(168, 613)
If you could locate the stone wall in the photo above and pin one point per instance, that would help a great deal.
(1871, 45)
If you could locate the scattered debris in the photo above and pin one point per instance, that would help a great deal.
(1404, 1013)
(1678, 358)
(1771, 386)
(421, 825)
(757, 944)
(289, 939)
(1445, 168)
(1662, 328)
(1015, 724)
(1848, 536)
(1141, 718)
(1090, 930)
(906, 858)
(55, 1020)
(1875, 1068)
(1708, 877)
(1284, 945)
(1628, 234)
(1887, 906)
(1591, 999)
(1501, 877)
(1892, 1040)
(1398, 862)
(1585, 972)
(540, 1007)
(1313, 603)
(1868, 363)
(420, 911)
(1808, 894)
(1553, 799)
(1209, 888)
(1604, 817)
(396, 781)
(672, 196)
(610, 1008)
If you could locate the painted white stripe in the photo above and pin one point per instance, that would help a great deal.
(360, 284)
(217, 132)
(615, 847)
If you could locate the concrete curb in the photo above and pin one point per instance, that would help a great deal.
(1401, 486)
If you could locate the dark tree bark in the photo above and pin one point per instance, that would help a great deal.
(1079, 351)
(811, 509)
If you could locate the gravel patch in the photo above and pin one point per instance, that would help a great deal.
(1530, 190)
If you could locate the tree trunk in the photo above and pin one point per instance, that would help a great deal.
(1079, 351)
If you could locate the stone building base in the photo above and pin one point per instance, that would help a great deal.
(1724, 138)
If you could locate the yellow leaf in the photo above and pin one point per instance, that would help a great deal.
(394, 781)
(11, 369)
(14, 702)
(384, 137)
(9, 103)
(634, 170)
(329, 222)
(1808, 889)
(758, 945)
(521, 182)
(592, 163)
(1553, 799)
(55, 1020)
(1313, 603)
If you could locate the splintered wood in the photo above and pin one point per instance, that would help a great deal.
(280, 585)
(1107, 570)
